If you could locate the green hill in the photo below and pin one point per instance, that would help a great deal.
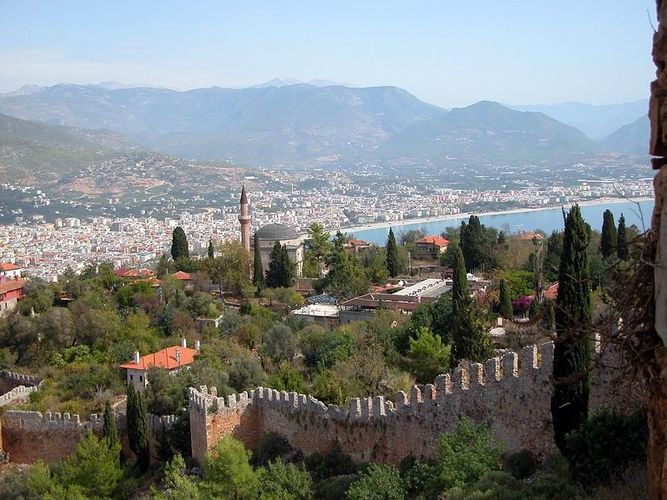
(630, 138)
(303, 124)
(29, 148)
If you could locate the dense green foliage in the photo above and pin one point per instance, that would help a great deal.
(469, 331)
(137, 427)
(477, 244)
(257, 268)
(572, 354)
(281, 269)
(428, 356)
(505, 306)
(603, 446)
(378, 482)
(179, 244)
(109, 429)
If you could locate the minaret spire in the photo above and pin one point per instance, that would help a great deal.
(244, 219)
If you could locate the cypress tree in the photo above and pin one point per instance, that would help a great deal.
(608, 239)
(137, 427)
(505, 307)
(572, 354)
(257, 270)
(109, 429)
(621, 240)
(460, 289)
(279, 274)
(469, 329)
(179, 244)
(393, 259)
(210, 252)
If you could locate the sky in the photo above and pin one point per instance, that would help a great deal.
(446, 52)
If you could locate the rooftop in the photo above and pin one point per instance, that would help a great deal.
(276, 232)
(10, 286)
(433, 240)
(166, 358)
(430, 287)
(7, 266)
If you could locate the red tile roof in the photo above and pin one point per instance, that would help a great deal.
(551, 293)
(182, 275)
(133, 273)
(433, 240)
(9, 286)
(166, 358)
(6, 266)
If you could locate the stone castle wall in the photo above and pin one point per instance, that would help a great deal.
(27, 436)
(512, 394)
(16, 387)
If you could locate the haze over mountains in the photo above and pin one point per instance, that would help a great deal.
(281, 123)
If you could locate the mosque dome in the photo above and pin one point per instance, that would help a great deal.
(276, 232)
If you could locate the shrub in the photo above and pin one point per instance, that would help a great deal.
(381, 482)
(603, 446)
(466, 454)
(280, 480)
(335, 463)
(521, 464)
(270, 447)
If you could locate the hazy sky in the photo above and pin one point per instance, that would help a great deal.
(447, 52)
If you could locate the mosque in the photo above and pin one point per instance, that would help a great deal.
(268, 235)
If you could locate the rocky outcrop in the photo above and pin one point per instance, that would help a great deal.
(657, 386)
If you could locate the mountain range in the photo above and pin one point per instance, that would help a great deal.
(285, 124)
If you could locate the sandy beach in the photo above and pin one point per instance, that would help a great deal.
(441, 218)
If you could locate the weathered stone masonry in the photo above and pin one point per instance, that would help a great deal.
(16, 387)
(28, 436)
(511, 393)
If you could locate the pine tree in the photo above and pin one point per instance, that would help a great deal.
(257, 268)
(179, 244)
(505, 306)
(109, 429)
(137, 427)
(621, 240)
(572, 355)
(393, 259)
(210, 252)
(608, 238)
(469, 329)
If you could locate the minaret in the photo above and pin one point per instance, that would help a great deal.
(244, 219)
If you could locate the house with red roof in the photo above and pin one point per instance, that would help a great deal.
(430, 247)
(9, 270)
(134, 273)
(182, 276)
(11, 292)
(173, 359)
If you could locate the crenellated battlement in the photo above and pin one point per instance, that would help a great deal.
(497, 373)
(511, 392)
(17, 386)
(37, 420)
(20, 378)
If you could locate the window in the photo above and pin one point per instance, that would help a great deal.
(141, 378)
(131, 377)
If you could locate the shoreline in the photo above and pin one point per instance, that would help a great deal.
(465, 215)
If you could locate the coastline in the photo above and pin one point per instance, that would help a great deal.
(465, 215)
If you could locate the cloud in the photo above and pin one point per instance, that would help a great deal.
(49, 67)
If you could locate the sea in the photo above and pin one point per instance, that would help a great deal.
(548, 219)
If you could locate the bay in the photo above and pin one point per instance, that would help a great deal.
(515, 221)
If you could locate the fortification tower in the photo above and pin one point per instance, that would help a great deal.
(244, 219)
